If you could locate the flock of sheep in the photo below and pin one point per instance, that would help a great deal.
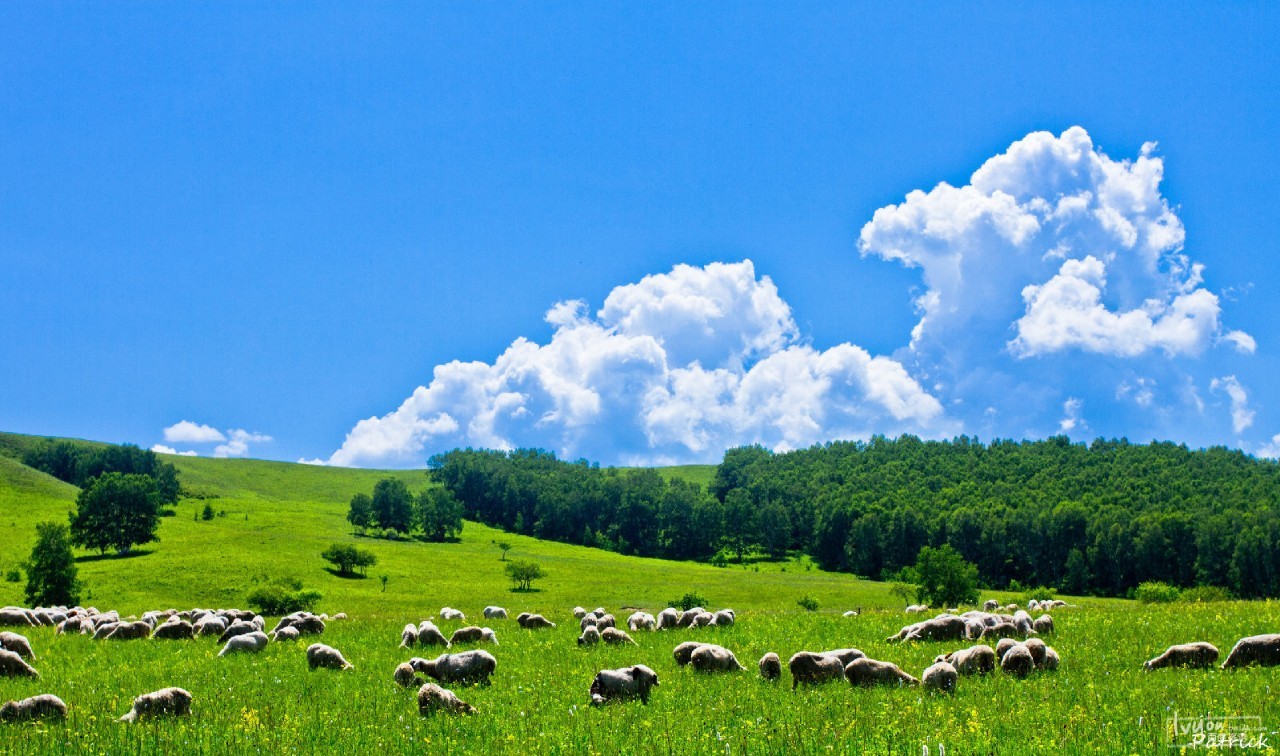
(1019, 651)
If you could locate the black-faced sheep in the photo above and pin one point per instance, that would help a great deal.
(975, 660)
(1263, 650)
(590, 636)
(534, 621)
(668, 619)
(405, 676)
(770, 666)
(17, 644)
(467, 667)
(869, 672)
(495, 612)
(684, 652)
(940, 676)
(433, 698)
(430, 635)
(614, 636)
(473, 634)
(1017, 661)
(1193, 655)
(175, 629)
(812, 668)
(622, 684)
(320, 655)
(712, 658)
(249, 643)
(172, 702)
(45, 706)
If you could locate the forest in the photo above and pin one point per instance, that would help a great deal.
(1096, 518)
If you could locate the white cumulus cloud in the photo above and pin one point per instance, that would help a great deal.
(188, 432)
(1241, 415)
(1271, 449)
(162, 449)
(238, 443)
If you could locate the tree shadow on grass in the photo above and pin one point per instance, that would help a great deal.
(345, 575)
(107, 557)
(525, 590)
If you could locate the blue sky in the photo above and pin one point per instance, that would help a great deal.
(362, 236)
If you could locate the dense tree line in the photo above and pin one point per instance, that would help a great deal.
(79, 464)
(435, 513)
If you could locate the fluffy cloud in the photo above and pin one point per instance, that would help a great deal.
(187, 432)
(1271, 449)
(676, 367)
(1071, 419)
(162, 449)
(237, 444)
(1241, 415)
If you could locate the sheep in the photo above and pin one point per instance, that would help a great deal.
(851, 613)
(405, 676)
(12, 665)
(130, 631)
(770, 666)
(45, 706)
(814, 668)
(173, 702)
(1017, 661)
(641, 621)
(239, 627)
(433, 698)
(448, 613)
(599, 611)
(103, 630)
(712, 658)
(684, 651)
(174, 630)
(320, 655)
(973, 660)
(430, 635)
(1003, 647)
(17, 644)
(917, 608)
(990, 605)
(940, 676)
(467, 667)
(999, 630)
(13, 616)
(1263, 650)
(308, 624)
(286, 634)
(668, 619)
(614, 636)
(587, 621)
(944, 627)
(845, 655)
(473, 634)
(687, 617)
(605, 620)
(1050, 662)
(495, 612)
(210, 625)
(248, 643)
(1043, 624)
(339, 616)
(1033, 605)
(579, 612)
(704, 619)
(1022, 621)
(1037, 649)
(1193, 655)
(622, 684)
(409, 636)
(533, 621)
(590, 636)
(869, 672)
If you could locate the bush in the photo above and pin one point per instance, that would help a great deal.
(347, 557)
(51, 570)
(1155, 592)
(13, 575)
(282, 596)
(944, 578)
(808, 603)
(1037, 594)
(523, 572)
(1204, 594)
(689, 601)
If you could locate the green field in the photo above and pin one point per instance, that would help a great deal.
(280, 516)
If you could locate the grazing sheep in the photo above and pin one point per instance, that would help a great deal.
(605, 620)
(448, 613)
(320, 655)
(770, 666)
(990, 605)
(852, 613)
(917, 608)
(172, 702)
(174, 630)
(1033, 605)
(1263, 650)
(466, 667)
(430, 635)
(286, 634)
(704, 619)
(250, 643)
(1004, 645)
(940, 676)
(210, 625)
(473, 634)
(622, 684)
(1017, 661)
(45, 706)
(433, 698)
(12, 665)
(590, 636)
(614, 636)
(1037, 649)
(684, 652)
(587, 621)
(409, 636)
(339, 616)
(308, 624)
(130, 631)
(239, 627)
(579, 612)
(1043, 624)
(1194, 655)
(1050, 662)
(999, 630)
(17, 644)
(975, 660)
(533, 621)
(103, 630)
(405, 676)
(668, 619)
(13, 616)
(811, 668)
(869, 672)
(1022, 621)
(495, 612)
(712, 658)
(845, 655)
(687, 618)
(641, 621)
(945, 627)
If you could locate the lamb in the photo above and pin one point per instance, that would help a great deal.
(623, 684)
(940, 676)
(770, 667)
(405, 676)
(1263, 650)
(174, 630)
(130, 631)
(239, 627)
(17, 644)
(973, 660)
(286, 634)
(248, 643)
(433, 698)
(712, 658)
(467, 667)
(533, 621)
(668, 619)
(614, 636)
(45, 706)
(641, 621)
(590, 636)
(320, 655)
(684, 652)
(868, 672)
(430, 635)
(1043, 625)
(448, 613)
(173, 702)
(813, 668)
(1017, 661)
(409, 636)
(1197, 655)
(495, 612)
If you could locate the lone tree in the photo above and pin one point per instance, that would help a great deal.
(360, 514)
(116, 511)
(523, 572)
(944, 578)
(348, 557)
(505, 546)
(51, 571)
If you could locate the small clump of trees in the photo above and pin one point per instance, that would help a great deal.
(348, 558)
(522, 573)
(394, 509)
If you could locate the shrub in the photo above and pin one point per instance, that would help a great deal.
(1203, 594)
(1155, 592)
(13, 575)
(51, 570)
(689, 601)
(944, 578)
(808, 603)
(347, 557)
(207, 512)
(282, 596)
(523, 572)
